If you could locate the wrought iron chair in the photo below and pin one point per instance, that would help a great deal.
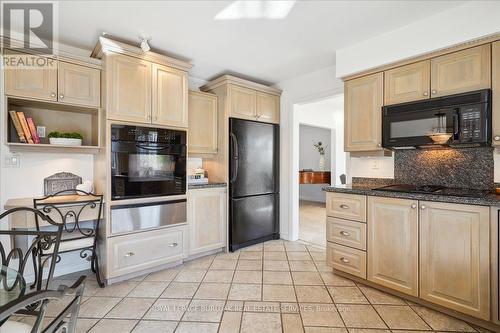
(42, 241)
(75, 237)
(57, 324)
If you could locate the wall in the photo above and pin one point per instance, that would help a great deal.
(309, 158)
(471, 20)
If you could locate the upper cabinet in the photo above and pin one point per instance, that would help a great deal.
(407, 83)
(363, 113)
(202, 129)
(170, 94)
(462, 71)
(495, 86)
(79, 84)
(268, 108)
(63, 82)
(243, 102)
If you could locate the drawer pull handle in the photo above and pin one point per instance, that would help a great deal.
(344, 206)
(344, 260)
(129, 254)
(173, 245)
(345, 233)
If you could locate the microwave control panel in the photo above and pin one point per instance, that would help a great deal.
(470, 123)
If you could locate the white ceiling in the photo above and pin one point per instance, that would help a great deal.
(271, 50)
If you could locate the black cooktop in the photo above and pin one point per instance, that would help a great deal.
(435, 189)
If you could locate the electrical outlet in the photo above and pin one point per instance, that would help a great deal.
(375, 164)
(12, 161)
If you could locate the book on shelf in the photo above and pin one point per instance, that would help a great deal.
(17, 126)
(32, 127)
(24, 125)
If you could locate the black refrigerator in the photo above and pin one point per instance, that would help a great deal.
(253, 182)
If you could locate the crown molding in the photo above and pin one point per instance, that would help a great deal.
(231, 79)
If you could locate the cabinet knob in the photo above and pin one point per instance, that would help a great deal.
(345, 233)
(344, 260)
(379, 145)
(423, 207)
(434, 92)
(53, 95)
(173, 245)
(61, 96)
(344, 206)
(496, 138)
(149, 118)
(426, 93)
(413, 206)
(129, 254)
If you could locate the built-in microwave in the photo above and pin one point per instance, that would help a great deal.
(462, 120)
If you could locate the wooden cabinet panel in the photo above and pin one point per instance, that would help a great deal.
(32, 83)
(346, 206)
(393, 243)
(363, 113)
(461, 71)
(407, 83)
(345, 232)
(243, 102)
(128, 89)
(170, 100)
(206, 219)
(268, 108)
(495, 85)
(202, 129)
(454, 257)
(79, 84)
(346, 259)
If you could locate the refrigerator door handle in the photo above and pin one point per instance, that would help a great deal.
(234, 142)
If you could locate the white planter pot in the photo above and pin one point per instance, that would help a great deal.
(65, 141)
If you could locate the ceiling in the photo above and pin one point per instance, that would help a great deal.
(258, 42)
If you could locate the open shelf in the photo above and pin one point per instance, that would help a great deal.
(54, 117)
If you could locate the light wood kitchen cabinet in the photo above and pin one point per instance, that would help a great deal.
(461, 71)
(243, 102)
(363, 113)
(207, 219)
(454, 257)
(345, 232)
(78, 84)
(32, 83)
(346, 259)
(170, 96)
(202, 129)
(128, 89)
(346, 206)
(268, 108)
(393, 243)
(495, 85)
(407, 83)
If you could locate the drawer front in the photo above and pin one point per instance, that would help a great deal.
(345, 232)
(346, 259)
(346, 206)
(136, 252)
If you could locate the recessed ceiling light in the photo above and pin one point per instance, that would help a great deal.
(256, 9)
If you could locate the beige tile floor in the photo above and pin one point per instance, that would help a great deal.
(278, 286)
(312, 222)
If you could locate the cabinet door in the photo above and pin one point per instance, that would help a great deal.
(128, 89)
(393, 243)
(407, 83)
(79, 84)
(32, 83)
(461, 71)
(495, 84)
(242, 102)
(206, 219)
(363, 99)
(202, 129)
(268, 108)
(454, 257)
(170, 96)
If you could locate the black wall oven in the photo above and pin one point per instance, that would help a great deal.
(147, 162)
(456, 121)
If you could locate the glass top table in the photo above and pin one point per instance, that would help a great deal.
(12, 285)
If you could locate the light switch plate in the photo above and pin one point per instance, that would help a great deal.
(12, 161)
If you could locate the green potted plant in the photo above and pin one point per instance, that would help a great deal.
(65, 138)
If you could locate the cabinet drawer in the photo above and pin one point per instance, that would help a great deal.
(136, 252)
(346, 259)
(346, 206)
(346, 233)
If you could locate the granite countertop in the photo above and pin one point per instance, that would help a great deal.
(209, 185)
(367, 189)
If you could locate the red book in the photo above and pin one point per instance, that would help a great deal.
(32, 127)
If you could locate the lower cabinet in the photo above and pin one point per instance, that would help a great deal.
(393, 243)
(454, 257)
(207, 219)
(346, 259)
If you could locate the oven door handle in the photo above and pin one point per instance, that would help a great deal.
(152, 148)
(234, 172)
